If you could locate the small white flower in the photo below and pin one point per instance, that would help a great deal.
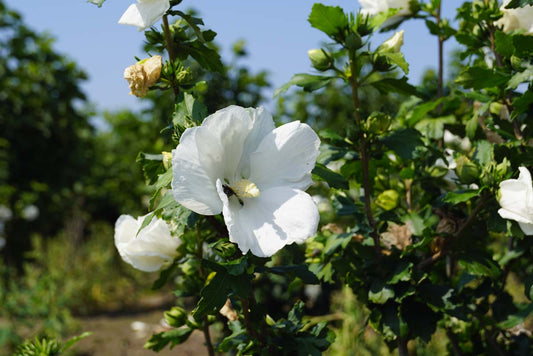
(393, 44)
(374, 7)
(239, 164)
(30, 212)
(520, 18)
(148, 251)
(144, 13)
(517, 200)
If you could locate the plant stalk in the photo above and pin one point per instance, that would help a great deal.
(171, 55)
(363, 150)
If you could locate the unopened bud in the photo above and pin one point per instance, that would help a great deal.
(377, 123)
(185, 77)
(466, 170)
(176, 317)
(142, 75)
(320, 59)
(393, 44)
(388, 200)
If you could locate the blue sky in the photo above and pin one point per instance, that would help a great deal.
(276, 31)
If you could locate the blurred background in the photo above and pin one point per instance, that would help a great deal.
(70, 135)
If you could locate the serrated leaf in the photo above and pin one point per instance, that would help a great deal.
(397, 59)
(513, 4)
(334, 179)
(480, 78)
(213, 295)
(460, 196)
(403, 142)
(393, 85)
(329, 19)
(478, 265)
(151, 165)
(379, 292)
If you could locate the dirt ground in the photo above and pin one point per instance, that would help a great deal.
(125, 335)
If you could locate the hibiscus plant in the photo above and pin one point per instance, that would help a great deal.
(423, 211)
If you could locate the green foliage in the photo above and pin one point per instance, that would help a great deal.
(45, 347)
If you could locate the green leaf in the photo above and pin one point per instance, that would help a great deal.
(460, 196)
(393, 85)
(164, 275)
(151, 165)
(157, 342)
(334, 179)
(504, 44)
(421, 111)
(434, 127)
(329, 19)
(193, 22)
(421, 319)
(513, 4)
(146, 221)
(480, 78)
(525, 76)
(478, 264)
(206, 57)
(379, 292)
(213, 295)
(484, 152)
(75, 339)
(306, 81)
(96, 2)
(300, 271)
(403, 142)
(517, 318)
(397, 59)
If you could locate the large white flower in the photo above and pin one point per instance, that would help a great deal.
(374, 7)
(239, 164)
(151, 248)
(520, 18)
(144, 13)
(517, 200)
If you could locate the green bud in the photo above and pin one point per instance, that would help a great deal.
(185, 77)
(320, 59)
(381, 64)
(466, 170)
(516, 63)
(353, 41)
(377, 123)
(176, 317)
(388, 199)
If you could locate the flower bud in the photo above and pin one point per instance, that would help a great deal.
(176, 317)
(388, 199)
(393, 44)
(377, 123)
(466, 170)
(353, 41)
(185, 77)
(142, 75)
(320, 59)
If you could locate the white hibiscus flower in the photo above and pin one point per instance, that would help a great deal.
(517, 200)
(374, 7)
(239, 164)
(144, 13)
(151, 248)
(520, 18)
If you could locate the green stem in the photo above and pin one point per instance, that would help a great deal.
(440, 89)
(201, 273)
(363, 151)
(171, 55)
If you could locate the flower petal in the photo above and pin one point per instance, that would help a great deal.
(196, 165)
(527, 228)
(517, 198)
(145, 13)
(285, 157)
(278, 217)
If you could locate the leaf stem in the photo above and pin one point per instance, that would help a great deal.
(363, 150)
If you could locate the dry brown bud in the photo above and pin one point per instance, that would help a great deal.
(143, 74)
(228, 311)
(398, 236)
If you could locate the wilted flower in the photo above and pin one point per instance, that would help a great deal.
(148, 250)
(374, 7)
(393, 44)
(517, 200)
(520, 18)
(239, 164)
(143, 74)
(398, 236)
(144, 13)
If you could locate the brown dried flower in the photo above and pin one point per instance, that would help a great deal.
(397, 235)
(143, 74)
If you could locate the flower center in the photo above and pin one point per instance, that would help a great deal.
(245, 189)
(242, 189)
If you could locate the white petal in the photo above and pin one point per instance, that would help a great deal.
(126, 228)
(527, 228)
(278, 217)
(196, 165)
(517, 197)
(285, 157)
(145, 13)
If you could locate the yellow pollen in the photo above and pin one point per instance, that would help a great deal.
(245, 189)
